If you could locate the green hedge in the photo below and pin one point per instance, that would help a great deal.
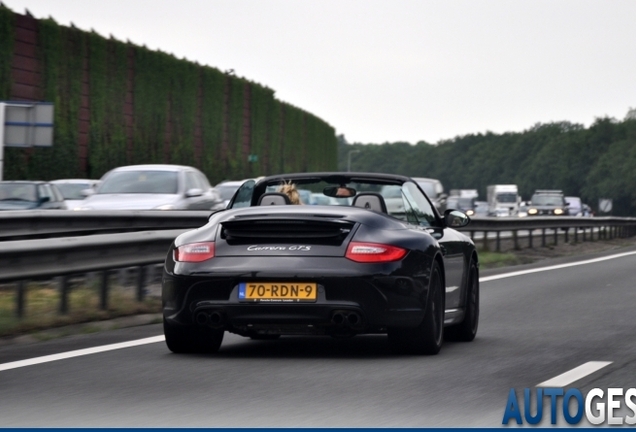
(6, 50)
(171, 98)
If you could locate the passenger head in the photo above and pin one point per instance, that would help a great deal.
(290, 190)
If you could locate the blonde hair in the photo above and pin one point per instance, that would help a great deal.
(290, 190)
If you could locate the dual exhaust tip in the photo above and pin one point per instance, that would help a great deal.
(346, 319)
(213, 319)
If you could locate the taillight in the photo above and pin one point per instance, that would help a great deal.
(194, 252)
(374, 252)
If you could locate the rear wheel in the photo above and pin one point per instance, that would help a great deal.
(191, 339)
(467, 329)
(426, 338)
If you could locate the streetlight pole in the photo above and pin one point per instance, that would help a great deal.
(349, 159)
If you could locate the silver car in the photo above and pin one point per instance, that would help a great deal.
(154, 187)
(73, 190)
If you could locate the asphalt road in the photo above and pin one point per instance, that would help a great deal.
(533, 327)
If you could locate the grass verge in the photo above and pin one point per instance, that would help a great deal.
(488, 260)
(42, 302)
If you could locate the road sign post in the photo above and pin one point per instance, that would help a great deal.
(25, 124)
(605, 205)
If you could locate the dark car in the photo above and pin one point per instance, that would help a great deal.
(547, 202)
(25, 195)
(265, 268)
(465, 204)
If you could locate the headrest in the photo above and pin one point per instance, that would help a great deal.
(370, 201)
(273, 198)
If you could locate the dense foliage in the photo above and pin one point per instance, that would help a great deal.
(594, 162)
(6, 50)
(147, 106)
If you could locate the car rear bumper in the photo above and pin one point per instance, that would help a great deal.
(368, 304)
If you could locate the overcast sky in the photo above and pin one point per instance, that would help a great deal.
(396, 70)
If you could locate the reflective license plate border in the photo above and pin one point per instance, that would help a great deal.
(243, 297)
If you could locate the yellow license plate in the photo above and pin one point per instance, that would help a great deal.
(278, 291)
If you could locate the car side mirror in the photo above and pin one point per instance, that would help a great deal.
(87, 192)
(456, 219)
(194, 192)
(45, 200)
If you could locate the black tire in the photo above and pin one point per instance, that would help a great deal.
(192, 339)
(467, 329)
(428, 337)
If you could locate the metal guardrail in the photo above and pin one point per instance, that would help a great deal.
(144, 237)
(25, 260)
(47, 258)
(30, 224)
(567, 226)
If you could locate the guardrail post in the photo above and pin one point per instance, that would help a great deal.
(515, 240)
(556, 236)
(141, 279)
(485, 240)
(530, 239)
(103, 291)
(543, 237)
(498, 248)
(64, 290)
(19, 295)
(567, 235)
(584, 232)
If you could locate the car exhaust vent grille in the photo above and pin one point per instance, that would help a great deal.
(309, 231)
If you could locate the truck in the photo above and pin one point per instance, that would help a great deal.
(503, 200)
(464, 193)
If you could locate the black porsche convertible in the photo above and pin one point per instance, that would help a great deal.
(374, 257)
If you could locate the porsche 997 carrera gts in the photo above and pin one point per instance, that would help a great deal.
(264, 267)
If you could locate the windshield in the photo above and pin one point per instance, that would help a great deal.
(146, 182)
(547, 200)
(466, 203)
(387, 196)
(508, 197)
(72, 191)
(18, 192)
(392, 192)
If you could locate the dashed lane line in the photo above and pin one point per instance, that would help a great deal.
(575, 374)
(554, 267)
(79, 353)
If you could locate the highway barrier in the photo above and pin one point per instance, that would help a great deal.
(569, 227)
(37, 245)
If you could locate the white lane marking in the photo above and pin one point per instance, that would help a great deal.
(79, 353)
(575, 374)
(554, 267)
